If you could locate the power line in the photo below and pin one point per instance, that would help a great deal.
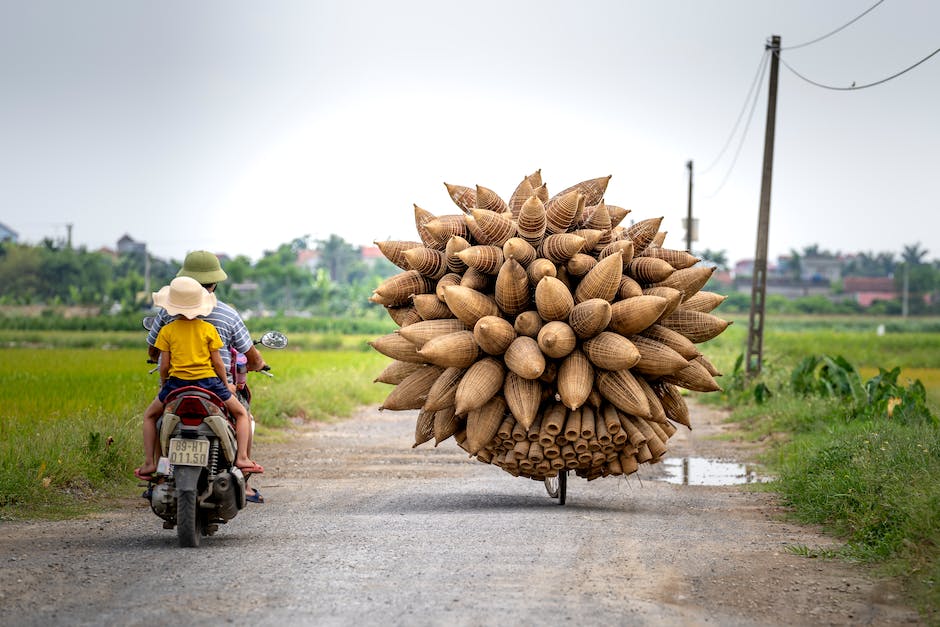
(849, 23)
(853, 86)
(734, 129)
(750, 115)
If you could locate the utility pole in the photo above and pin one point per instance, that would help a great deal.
(688, 219)
(755, 332)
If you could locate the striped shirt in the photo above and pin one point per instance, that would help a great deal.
(227, 322)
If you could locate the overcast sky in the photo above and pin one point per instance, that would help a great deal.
(238, 126)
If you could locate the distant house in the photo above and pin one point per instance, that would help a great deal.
(7, 234)
(371, 254)
(865, 290)
(128, 246)
(308, 258)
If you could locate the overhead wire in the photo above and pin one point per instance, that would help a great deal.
(734, 129)
(747, 126)
(853, 86)
(831, 33)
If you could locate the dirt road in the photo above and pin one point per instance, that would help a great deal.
(361, 529)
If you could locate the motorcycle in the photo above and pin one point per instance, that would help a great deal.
(197, 486)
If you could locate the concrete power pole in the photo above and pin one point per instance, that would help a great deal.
(755, 333)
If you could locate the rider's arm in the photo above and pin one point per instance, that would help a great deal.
(219, 368)
(164, 366)
(255, 360)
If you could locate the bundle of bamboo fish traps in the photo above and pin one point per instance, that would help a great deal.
(543, 334)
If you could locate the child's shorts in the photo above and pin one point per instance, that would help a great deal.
(213, 384)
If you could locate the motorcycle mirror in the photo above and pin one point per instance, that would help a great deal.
(274, 339)
(148, 322)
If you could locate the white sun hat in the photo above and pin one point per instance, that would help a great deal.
(186, 297)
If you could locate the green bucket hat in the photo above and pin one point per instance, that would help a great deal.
(202, 266)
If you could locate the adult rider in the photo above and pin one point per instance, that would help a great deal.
(204, 266)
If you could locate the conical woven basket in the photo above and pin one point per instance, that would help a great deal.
(628, 288)
(674, 340)
(520, 250)
(539, 269)
(399, 289)
(493, 334)
(590, 317)
(486, 258)
(428, 262)
(446, 424)
(522, 396)
(512, 293)
(429, 307)
(632, 315)
(553, 299)
(442, 392)
(479, 384)
(561, 247)
(649, 269)
(580, 264)
(420, 332)
(524, 358)
(620, 388)
(642, 233)
(532, 221)
(394, 249)
(556, 339)
(688, 280)
(494, 228)
(422, 217)
(463, 197)
(611, 351)
(575, 379)
(469, 305)
(695, 325)
(602, 281)
(678, 259)
(397, 371)
(458, 350)
(693, 377)
(424, 427)
(528, 323)
(592, 189)
(454, 245)
(413, 391)
(482, 424)
(490, 200)
(702, 301)
(395, 346)
(561, 210)
(656, 359)
(673, 297)
(442, 228)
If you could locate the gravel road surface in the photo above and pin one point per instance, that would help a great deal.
(359, 528)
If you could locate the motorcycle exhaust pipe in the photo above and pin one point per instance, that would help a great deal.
(223, 492)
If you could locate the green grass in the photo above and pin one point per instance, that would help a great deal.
(71, 418)
(870, 477)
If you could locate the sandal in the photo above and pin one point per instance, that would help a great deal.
(256, 497)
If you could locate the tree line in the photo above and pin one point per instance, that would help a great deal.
(54, 274)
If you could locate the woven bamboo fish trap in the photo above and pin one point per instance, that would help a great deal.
(494, 334)
(542, 334)
(589, 317)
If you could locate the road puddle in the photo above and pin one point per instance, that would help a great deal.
(702, 471)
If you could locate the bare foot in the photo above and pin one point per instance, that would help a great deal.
(248, 466)
(145, 472)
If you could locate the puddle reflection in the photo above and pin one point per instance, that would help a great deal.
(701, 471)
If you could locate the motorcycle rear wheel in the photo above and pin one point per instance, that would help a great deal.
(188, 521)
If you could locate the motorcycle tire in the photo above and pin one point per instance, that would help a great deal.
(188, 520)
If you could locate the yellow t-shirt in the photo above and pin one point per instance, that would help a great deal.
(189, 343)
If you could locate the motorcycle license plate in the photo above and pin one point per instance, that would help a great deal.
(185, 452)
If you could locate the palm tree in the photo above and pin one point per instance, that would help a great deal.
(913, 254)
